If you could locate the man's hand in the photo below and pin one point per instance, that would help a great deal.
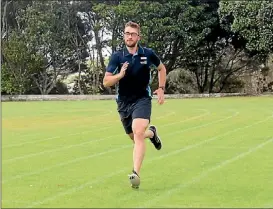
(123, 70)
(110, 79)
(160, 95)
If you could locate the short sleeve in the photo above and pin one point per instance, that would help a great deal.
(113, 64)
(155, 59)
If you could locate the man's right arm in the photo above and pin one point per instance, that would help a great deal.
(110, 78)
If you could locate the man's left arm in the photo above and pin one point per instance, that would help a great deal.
(161, 77)
(161, 82)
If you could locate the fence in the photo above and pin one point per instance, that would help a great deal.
(6, 98)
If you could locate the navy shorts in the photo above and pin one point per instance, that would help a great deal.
(128, 111)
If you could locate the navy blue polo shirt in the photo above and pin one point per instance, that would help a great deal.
(135, 83)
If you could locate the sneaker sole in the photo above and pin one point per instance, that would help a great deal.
(134, 187)
(157, 137)
(135, 182)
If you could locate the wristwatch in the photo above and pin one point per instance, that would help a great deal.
(162, 87)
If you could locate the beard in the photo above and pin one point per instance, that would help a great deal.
(130, 44)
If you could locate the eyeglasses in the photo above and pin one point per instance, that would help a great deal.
(132, 34)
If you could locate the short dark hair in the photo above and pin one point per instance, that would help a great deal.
(133, 25)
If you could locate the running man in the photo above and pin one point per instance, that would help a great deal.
(130, 69)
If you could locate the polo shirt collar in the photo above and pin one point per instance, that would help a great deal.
(140, 50)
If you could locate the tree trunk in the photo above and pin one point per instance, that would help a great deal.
(200, 89)
(175, 53)
(4, 21)
(100, 56)
(99, 48)
(79, 78)
(211, 85)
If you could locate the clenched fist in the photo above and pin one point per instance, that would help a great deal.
(123, 70)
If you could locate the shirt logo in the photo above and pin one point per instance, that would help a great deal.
(143, 60)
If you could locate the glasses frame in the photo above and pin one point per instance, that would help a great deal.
(134, 35)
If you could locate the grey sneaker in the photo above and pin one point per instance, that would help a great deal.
(134, 180)
(155, 140)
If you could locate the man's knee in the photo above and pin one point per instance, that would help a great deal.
(139, 126)
(131, 135)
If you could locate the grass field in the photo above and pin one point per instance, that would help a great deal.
(217, 152)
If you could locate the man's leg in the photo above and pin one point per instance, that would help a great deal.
(148, 134)
(141, 113)
(152, 135)
(139, 126)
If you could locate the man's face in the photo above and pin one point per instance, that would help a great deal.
(131, 36)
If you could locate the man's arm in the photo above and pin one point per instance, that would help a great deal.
(161, 76)
(110, 78)
(161, 70)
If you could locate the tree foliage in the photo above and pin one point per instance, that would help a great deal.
(215, 41)
(253, 20)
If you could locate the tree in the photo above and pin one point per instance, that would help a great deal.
(10, 11)
(253, 20)
(19, 63)
(217, 55)
(46, 37)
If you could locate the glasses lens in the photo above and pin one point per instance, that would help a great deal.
(132, 34)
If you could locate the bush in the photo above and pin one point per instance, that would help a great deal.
(60, 88)
(180, 81)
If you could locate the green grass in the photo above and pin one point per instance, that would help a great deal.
(217, 152)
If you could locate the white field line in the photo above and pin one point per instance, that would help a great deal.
(269, 204)
(205, 174)
(15, 201)
(228, 147)
(201, 126)
(212, 138)
(187, 119)
(167, 115)
(68, 162)
(85, 125)
(57, 149)
(66, 147)
(82, 158)
(55, 137)
(75, 189)
(100, 115)
(84, 143)
(103, 178)
(90, 125)
(97, 130)
(65, 121)
(113, 123)
(52, 113)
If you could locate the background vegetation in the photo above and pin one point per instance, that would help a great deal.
(63, 47)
